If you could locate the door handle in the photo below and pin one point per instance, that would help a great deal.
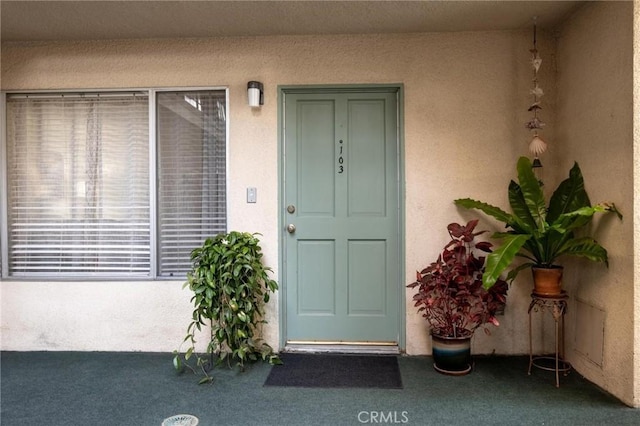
(291, 228)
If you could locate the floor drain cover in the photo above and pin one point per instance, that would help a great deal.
(180, 420)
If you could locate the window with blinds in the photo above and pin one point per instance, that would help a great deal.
(78, 175)
(191, 174)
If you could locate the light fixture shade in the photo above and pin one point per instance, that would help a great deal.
(255, 94)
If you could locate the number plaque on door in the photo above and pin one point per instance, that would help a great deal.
(341, 158)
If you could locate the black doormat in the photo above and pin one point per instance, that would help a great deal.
(336, 371)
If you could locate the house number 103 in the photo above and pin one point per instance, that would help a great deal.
(341, 158)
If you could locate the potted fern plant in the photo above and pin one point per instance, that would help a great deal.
(450, 296)
(230, 286)
(541, 233)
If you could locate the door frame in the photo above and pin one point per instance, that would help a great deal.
(283, 90)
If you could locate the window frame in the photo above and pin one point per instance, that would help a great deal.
(151, 92)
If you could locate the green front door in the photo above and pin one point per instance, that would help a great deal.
(341, 217)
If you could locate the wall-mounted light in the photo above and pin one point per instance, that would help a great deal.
(255, 93)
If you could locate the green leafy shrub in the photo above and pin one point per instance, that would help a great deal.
(538, 231)
(230, 286)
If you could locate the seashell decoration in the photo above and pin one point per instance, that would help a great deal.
(536, 62)
(537, 92)
(535, 105)
(535, 124)
(537, 146)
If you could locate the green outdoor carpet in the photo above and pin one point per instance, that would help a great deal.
(142, 389)
(336, 371)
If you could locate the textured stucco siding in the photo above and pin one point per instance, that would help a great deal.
(595, 123)
(465, 105)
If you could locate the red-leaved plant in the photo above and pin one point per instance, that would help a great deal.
(450, 293)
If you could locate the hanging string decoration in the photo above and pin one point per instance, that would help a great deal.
(537, 146)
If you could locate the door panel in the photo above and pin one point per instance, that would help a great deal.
(341, 175)
(367, 272)
(366, 158)
(315, 122)
(316, 288)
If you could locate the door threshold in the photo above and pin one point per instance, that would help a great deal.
(342, 348)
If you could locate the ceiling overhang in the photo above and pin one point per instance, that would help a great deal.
(100, 20)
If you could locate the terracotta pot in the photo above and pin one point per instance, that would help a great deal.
(451, 355)
(547, 281)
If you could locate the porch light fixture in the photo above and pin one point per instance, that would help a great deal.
(537, 146)
(255, 94)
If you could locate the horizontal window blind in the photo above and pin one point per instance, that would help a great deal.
(191, 132)
(78, 185)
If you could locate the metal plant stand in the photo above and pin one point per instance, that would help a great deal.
(558, 307)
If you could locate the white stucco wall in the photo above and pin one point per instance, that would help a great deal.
(636, 198)
(595, 128)
(466, 96)
(89, 316)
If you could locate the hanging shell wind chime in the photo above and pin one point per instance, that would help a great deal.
(537, 146)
